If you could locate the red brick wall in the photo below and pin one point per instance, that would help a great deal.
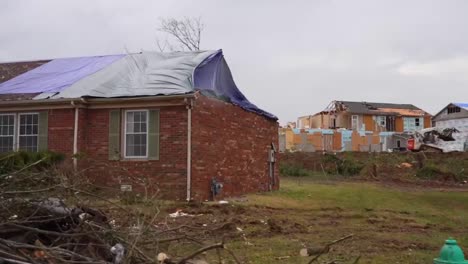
(228, 143)
(167, 176)
(61, 123)
(232, 145)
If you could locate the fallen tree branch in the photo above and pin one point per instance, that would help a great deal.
(45, 232)
(13, 261)
(323, 250)
(30, 191)
(200, 251)
(24, 168)
(232, 255)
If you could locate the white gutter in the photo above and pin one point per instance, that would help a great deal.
(189, 151)
(95, 100)
(75, 138)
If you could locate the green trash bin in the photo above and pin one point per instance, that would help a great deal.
(451, 253)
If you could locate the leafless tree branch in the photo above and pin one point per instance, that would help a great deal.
(185, 32)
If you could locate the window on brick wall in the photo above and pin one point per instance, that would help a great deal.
(7, 132)
(20, 132)
(28, 132)
(136, 133)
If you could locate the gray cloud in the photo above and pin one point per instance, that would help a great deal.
(290, 58)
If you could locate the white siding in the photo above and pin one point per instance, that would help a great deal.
(413, 123)
(460, 138)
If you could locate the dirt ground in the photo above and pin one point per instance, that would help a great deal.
(273, 227)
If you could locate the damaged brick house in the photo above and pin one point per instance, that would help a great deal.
(385, 126)
(171, 122)
(366, 116)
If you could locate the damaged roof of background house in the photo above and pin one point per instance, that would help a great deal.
(378, 108)
(130, 75)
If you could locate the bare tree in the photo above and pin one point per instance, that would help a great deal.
(180, 34)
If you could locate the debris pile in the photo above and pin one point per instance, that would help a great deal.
(47, 231)
(52, 217)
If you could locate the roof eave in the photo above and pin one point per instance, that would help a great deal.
(84, 102)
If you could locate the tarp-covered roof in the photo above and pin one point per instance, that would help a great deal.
(141, 74)
(56, 75)
(462, 105)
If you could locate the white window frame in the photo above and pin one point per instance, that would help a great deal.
(417, 122)
(17, 129)
(14, 128)
(125, 133)
(381, 121)
(353, 118)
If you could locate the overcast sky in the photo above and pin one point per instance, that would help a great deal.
(289, 57)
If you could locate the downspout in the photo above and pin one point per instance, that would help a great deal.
(189, 150)
(75, 138)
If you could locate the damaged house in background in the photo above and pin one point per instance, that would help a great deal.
(454, 115)
(173, 123)
(360, 126)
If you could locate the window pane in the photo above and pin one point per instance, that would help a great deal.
(135, 138)
(136, 127)
(130, 144)
(130, 128)
(28, 143)
(130, 117)
(130, 140)
(6, 144)
(7, 133)
(137, 117)
(28, 130)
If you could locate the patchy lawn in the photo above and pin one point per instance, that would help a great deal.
(390, 224)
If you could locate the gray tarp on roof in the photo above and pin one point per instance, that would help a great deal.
(131, 75)
(147, 73)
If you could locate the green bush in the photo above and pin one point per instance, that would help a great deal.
(349, 167)
(432, 171)
(346, 166)
(293, 170)
(13, 161)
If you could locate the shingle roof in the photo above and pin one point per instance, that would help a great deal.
(9, 70)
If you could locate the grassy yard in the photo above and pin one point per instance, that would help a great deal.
(390, 225)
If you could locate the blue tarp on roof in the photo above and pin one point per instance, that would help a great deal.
(462, 105)
(213, 78)
(56, 75)
(141, 74)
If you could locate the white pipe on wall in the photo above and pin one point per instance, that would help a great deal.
(75, 138)
(189, 151)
